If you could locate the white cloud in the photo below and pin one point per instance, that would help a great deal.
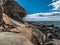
(47, 16)
(52, 16)
(55, 4)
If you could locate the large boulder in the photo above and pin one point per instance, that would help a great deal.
(13, 9)
(12, 26)
(8, 38)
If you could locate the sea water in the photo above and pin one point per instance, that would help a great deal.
(56, 23)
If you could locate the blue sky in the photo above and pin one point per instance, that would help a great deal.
(41, 10)
(36, 6)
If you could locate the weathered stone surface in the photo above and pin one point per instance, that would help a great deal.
(1, 14)
(7, 20)
(27, 32)
(14, 10)
(8, 38)
(22, 29)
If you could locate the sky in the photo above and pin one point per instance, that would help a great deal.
(51, 16)
(41, 10)
(35, 6)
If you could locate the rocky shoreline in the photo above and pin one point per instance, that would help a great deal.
(46, 30)
(15, 31)
(41, 32)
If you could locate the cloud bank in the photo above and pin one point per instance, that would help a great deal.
(48, 16)
(52, 16)
(55, 4)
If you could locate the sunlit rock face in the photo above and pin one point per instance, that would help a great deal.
(13, 9)
(7, 38)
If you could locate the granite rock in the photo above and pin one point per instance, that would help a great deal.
(14, 10)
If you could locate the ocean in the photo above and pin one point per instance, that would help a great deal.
(56, 23)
